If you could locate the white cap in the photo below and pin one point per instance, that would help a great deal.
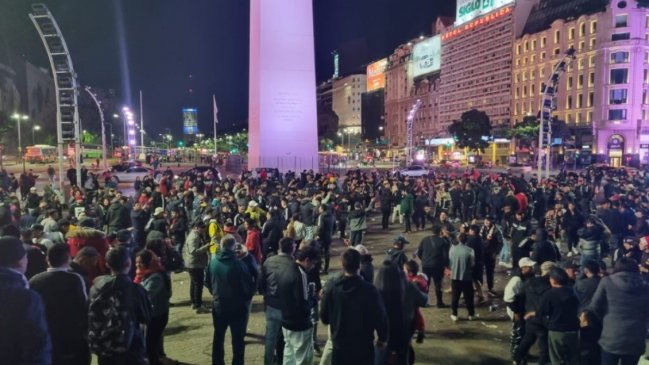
(526, 262)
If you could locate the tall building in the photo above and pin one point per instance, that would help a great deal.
(477, 59)
(603, 96)
(399, 95)
(346, 102)
(373, 116)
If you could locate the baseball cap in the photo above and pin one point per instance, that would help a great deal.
(546, 267)
(526, 262)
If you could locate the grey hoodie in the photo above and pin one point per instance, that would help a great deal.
(622, 302)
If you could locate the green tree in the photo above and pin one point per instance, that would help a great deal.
(526, 132)
(472, 131)
(326, 144)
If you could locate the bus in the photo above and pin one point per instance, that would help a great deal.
(40, 153)
(90, 151)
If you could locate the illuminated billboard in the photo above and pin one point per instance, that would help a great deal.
(376, 75)
(427, 56)
(190, 121)
(468, 10)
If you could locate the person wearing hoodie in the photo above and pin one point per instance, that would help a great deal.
(544, 249)
(232, 288)
(559, 308)
(621, 302)
(358, 223)
(325, 230)
(532, 292)
(433, 252)
(117, 216)
(253, 240)
(271, 233)
(24, 338)
(397, 253)
(355, 312)
(590, 241)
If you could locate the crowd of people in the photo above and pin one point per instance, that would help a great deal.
(92, 274)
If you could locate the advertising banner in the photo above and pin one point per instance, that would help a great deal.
(427, 56)
(190, 121)
(468, 10)
(376, 75)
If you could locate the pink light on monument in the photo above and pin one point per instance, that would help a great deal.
(282, 114)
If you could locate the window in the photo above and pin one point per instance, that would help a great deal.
(543, 41)
(557, 51)
(569, 102)
(591, 99)
(542, 72)
(593, 41)
(619, 57)
(516, 93)
(524, 91)
(582, 29)
(557, 36)
(580, 81)
(646, 77)
(582, 44)
(620, 21)
(518, 49)
(591, 79)
(620, 37)
(533, 44)
(593, 26)
(579, 101)
(617, 96)
(580, 64)
(526, 46)
(647, 22)
(646, 57)
(569, 84)
(591, 61)
(532, 59)
(589, 117)
(619, 76)
(644, 97)
(617, 114)
(571, 33)
(542, 56)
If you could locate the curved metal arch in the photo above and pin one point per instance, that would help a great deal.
(65, 85)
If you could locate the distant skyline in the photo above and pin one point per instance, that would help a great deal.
(179, 53)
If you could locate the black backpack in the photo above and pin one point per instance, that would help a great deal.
(111, 327)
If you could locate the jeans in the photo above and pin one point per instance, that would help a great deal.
(356, 238)
(154, 335)
(196, 281)
(327, 351)
(533, 331)
(396, 213)
(505, 255)
(237, 324)
(564, 347)
(436, 274)
(613, 359)
(298, 347)
(273, 332)
(464, 288)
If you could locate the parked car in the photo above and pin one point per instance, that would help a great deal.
(130, 174)
(415, 171)
(125, 165)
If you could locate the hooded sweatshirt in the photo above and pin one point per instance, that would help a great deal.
(559, 307)
(621, 301)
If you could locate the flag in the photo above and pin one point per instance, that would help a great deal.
(216, 110)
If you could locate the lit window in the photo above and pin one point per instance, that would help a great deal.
(582, 29)
(533, 44)
(571, 33)
(620, 21)
(557, 36)
(593, 26)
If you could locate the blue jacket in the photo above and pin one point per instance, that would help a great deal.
(24, 338)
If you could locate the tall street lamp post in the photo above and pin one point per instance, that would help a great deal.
(34, 130)
(18, 118)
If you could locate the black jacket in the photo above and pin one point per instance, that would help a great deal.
(118, 217)
(294, 299)
(326, 226)
(308, 213)
(585, 289)
(545, 250)
(268, 282)
(533, 290)
(24, 338)
(433, 252)
(559, 308)
(271, 233)
(354, 310)
(64, 295)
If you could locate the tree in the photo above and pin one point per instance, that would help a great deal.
(472, 131)
(327, 122)
(526, 131)
(326, 144)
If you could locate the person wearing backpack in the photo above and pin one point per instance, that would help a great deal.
(151, 275)
(117, 309)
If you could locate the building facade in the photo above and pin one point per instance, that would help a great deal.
(399, 94)
(346, 102)
(603, 95)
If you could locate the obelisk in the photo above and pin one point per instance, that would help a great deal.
(282, 116)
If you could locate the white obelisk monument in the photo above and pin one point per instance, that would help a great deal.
(283, 130)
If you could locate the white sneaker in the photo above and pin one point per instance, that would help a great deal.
(570, 254)
(471, 318)
(575, 251)
(453, 318)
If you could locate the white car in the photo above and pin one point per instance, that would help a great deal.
(130, 174)
(415, 171)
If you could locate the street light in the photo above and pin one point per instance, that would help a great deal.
(34, 130)
(18, 117)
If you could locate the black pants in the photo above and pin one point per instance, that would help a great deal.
(385, 218)
(325, 246)
(467, 213)
(420, 219)
(490, 267)
(436, 274)
(342, 224)
(407, 219)
(534, 331)
(73, 353)
(237, 325)
(196, 281)
(464, 288)
(154, 331)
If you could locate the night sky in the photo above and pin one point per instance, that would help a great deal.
(174, 46)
